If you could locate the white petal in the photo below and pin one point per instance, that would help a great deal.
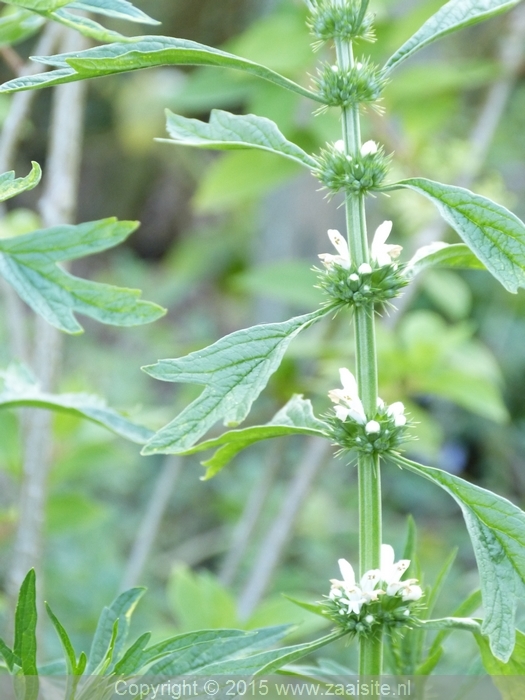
(370, 579)
(412, 593)
(356, 411)
(395, 409)
(372, 427)
(400, 421)
(364, 269)
(382, 233)
(341, 412)
(387, 557)
(347, 572)
(348, 381)
(369, 148)
(340, 245)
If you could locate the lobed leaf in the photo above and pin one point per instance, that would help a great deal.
(295, 418)
(28, 263)
(21, 389)
(10, 187)
(493, 233)
(227, 131)
(454, 15)
(457, 255)
(234, 371)
(106, 640)
(143, 52)
(497, 531)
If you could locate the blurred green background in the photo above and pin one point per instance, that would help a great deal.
(229, 240)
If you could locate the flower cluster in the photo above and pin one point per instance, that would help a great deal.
(380, 599)
(360, 84)
(359, 173)
(329, 20)
(352, 429)
(349, 285)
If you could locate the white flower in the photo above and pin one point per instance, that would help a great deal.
(410, 590)
(340, 146)
(382, 253)
(369, 148)
(369, 581)
(340, 244)
(372, 427)
(346, 592)
(397, 412)
(348, 403)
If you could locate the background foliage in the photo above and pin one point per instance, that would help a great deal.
(227, 240)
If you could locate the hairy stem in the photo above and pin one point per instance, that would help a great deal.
(370, 657)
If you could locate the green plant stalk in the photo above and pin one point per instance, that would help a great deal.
(369, 477)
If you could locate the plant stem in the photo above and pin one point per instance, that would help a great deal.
(369, 479)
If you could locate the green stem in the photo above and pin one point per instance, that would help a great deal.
(369, 478)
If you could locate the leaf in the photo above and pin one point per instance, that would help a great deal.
(25, 632)
(143, 52)
(69, 652)
(440, 254)
(9, 187)
(454, 15)
(131, 661)
(8, 655)
(267, 662)
(84, 25)
(497, 531)
(20, 388)
(295, 418)
(119, 611)
(493, 233)
(234, 371)
(18, 25)
(39, 5)
(28, 263)
(227, 131)
(120, 9)
(508, 677)
(195, 651)
(454, 623)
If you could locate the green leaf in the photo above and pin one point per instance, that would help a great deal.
(509, 676)
(18, 25)
(119, 611)
(67, 646)
(8, 655)
(227, 131)
(20, 388)
(9, 187)
(497, 531)
(493, 233)
(28, 263)
(457, 256)
(454, 15)
(454, 623)
(25, 629)
(120, 9)
(131, 661)
(39, 5)
(295, 418)
(195, 651)
(314, 608)
(267, 662)
(234, 371)
(143, 52)
(84, 25)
